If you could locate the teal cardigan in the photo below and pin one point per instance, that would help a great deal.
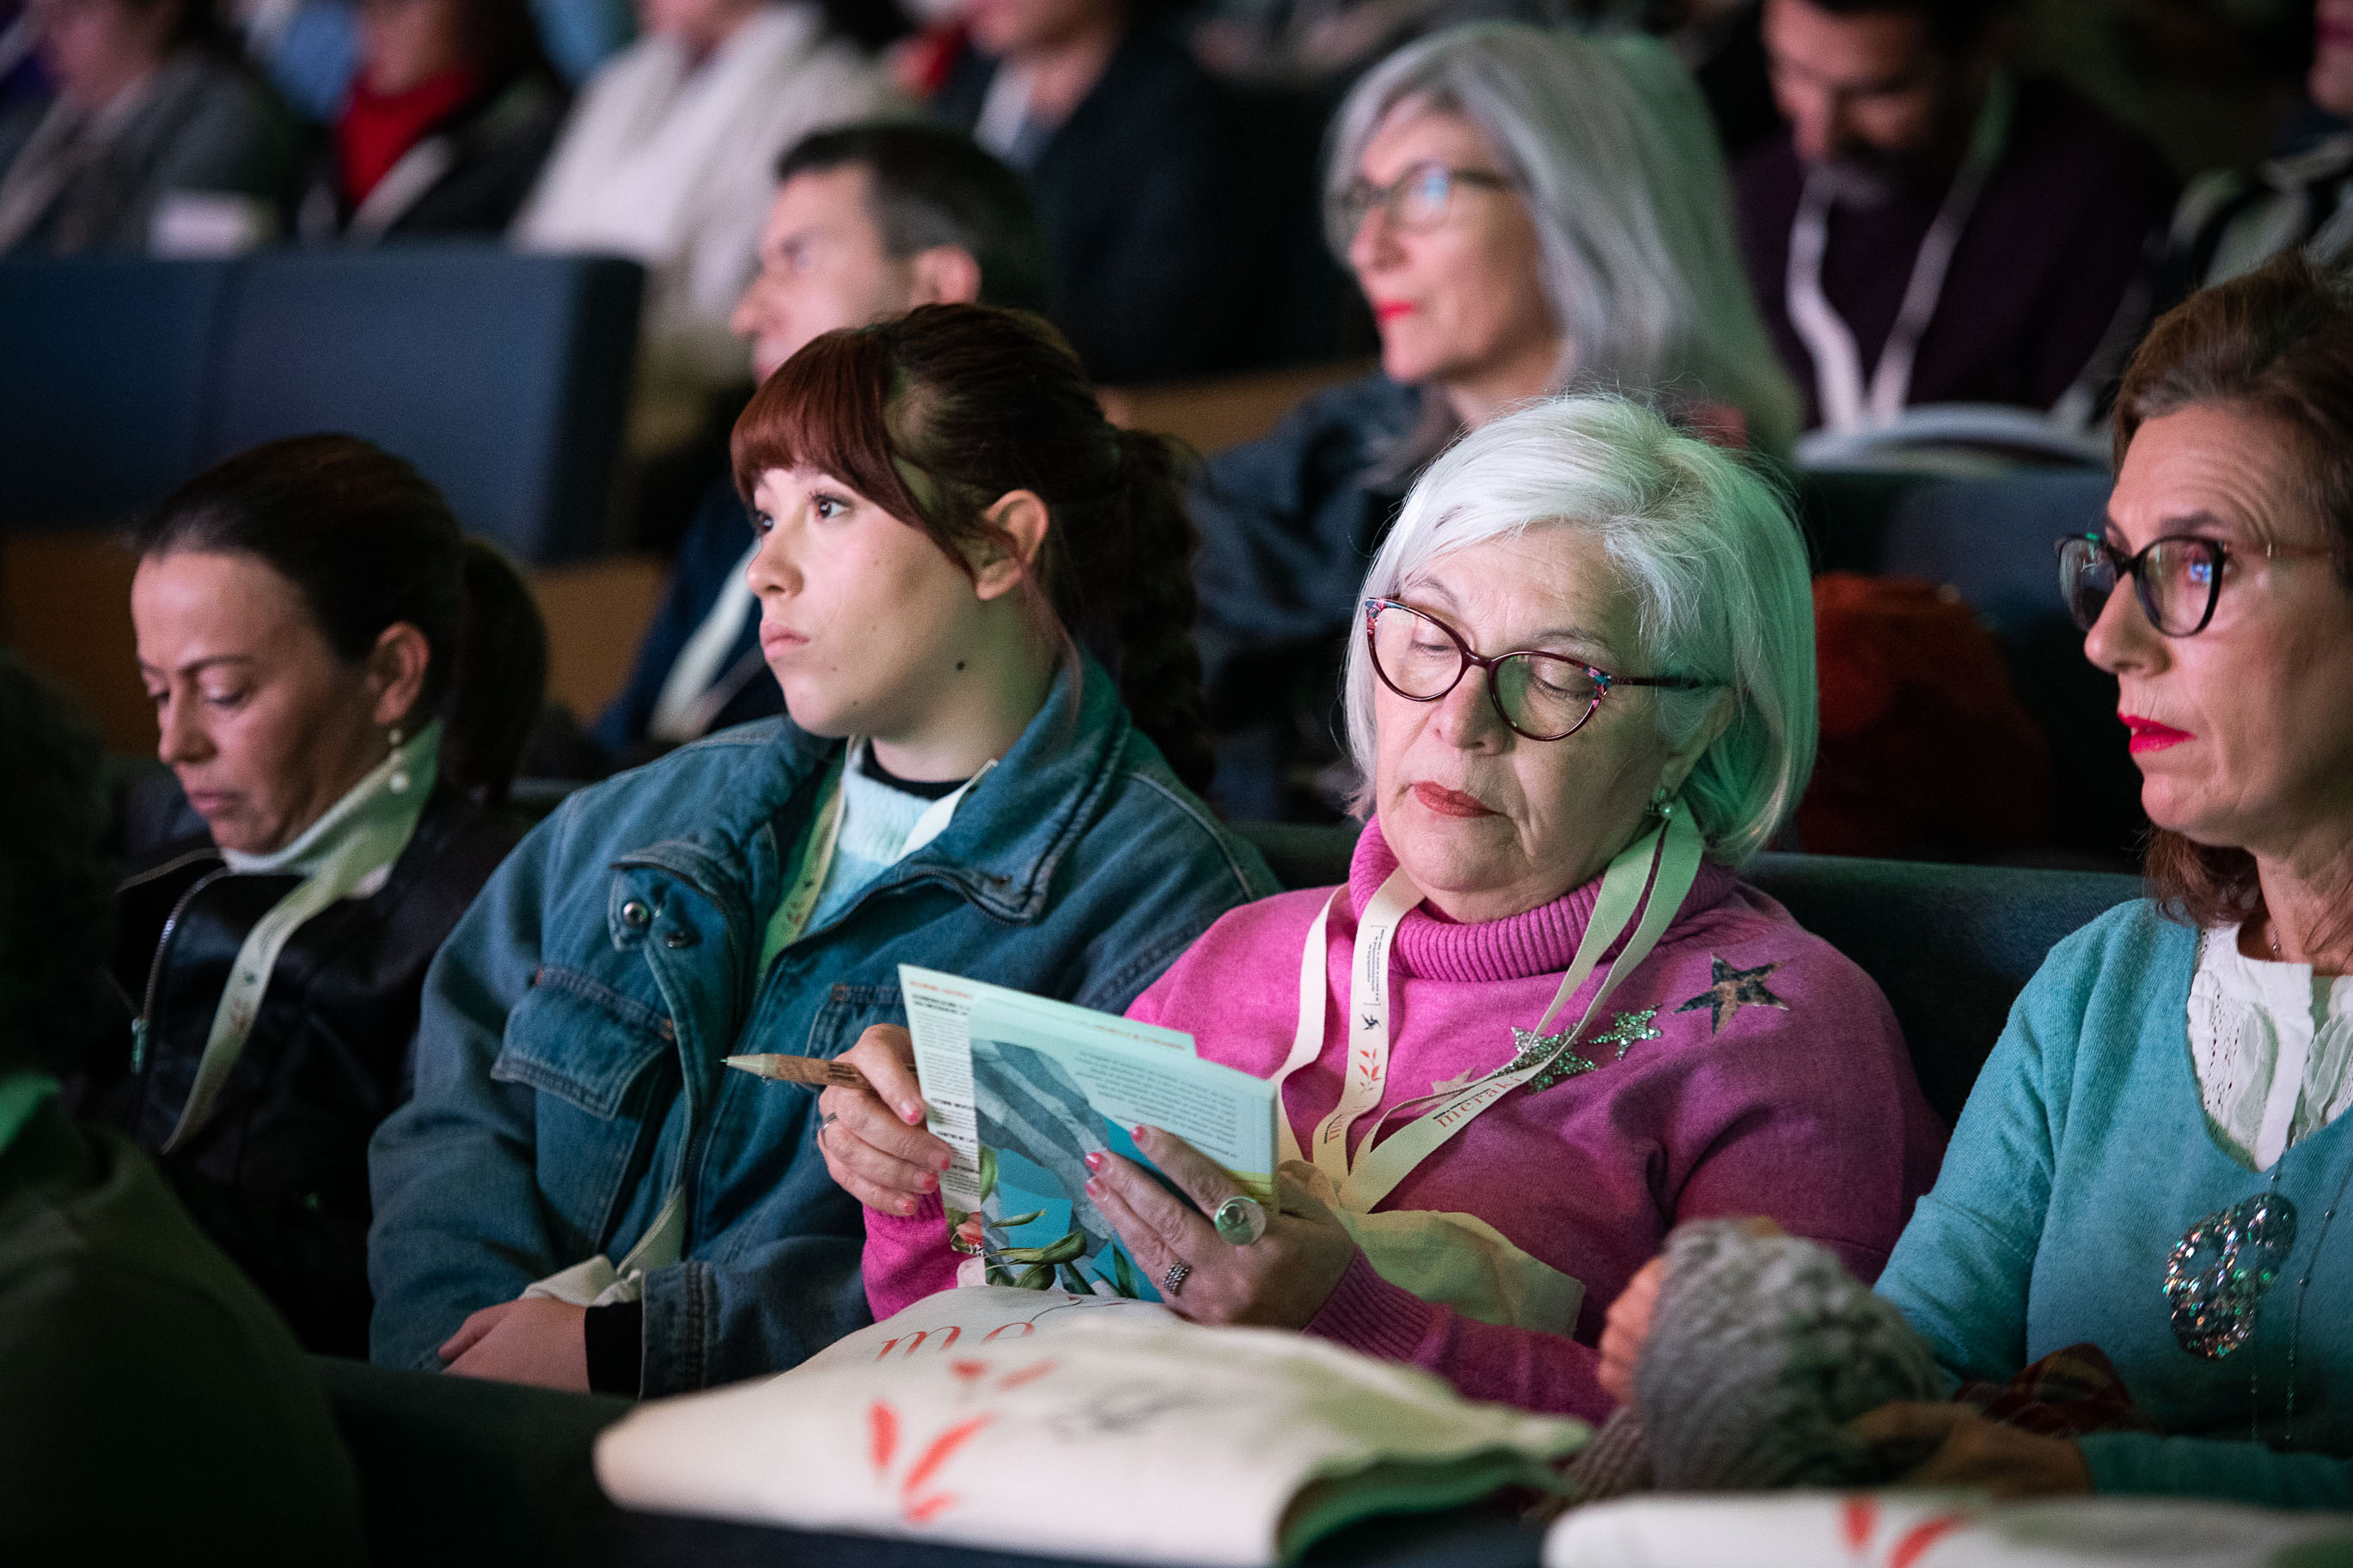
(2081, 1158)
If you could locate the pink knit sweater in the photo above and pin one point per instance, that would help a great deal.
(1806, 1111)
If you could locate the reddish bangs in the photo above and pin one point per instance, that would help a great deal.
(827, 409)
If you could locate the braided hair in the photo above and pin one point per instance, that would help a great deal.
(937, 414)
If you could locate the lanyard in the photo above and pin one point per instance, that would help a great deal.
(677, 712)
(1847, 404)
(362, 834)
(1665, 860)
(791, 919)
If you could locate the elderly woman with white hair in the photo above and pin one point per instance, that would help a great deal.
(1527, 212)
(1544, 1022)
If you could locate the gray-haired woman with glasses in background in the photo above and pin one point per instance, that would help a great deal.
(1527, 212)
(1544, 1022)
(2156, 1159)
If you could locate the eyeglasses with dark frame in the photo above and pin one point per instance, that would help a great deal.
(2179, 578)
(1416, 200)
(1541, 696)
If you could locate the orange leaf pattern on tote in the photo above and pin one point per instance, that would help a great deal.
(882, 1427)
(1859, 1518)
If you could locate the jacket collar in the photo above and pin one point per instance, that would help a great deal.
(1000, 849)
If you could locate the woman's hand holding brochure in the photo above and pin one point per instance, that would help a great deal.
(1281, 1281)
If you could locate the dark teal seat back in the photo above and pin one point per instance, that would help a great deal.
(104, 369)
(503, 377)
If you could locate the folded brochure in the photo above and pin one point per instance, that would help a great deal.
(1023, 1088)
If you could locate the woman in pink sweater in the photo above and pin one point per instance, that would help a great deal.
(1551, 1023)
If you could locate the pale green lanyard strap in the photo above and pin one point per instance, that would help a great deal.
(373, 825)
(1673, 852)
(791, 919)
(792, 916)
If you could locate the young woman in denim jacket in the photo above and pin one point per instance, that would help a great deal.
(958, 785)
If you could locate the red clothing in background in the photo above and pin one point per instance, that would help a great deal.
(375, 130)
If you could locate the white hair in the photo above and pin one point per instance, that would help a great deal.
(1708, 550)
(1612, 148)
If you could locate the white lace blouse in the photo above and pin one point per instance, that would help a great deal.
(2273, 1046)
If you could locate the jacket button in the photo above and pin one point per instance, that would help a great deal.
(636, 915)
(678, 936)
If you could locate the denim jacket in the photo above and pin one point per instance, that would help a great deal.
(568, 1053)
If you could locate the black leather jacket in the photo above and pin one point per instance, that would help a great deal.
(279, 1176)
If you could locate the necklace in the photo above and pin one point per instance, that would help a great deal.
(2295, 1326)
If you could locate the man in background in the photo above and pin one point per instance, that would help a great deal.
(869, 222)
(1931, 227)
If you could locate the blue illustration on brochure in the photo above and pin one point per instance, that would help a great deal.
(1023, 1089)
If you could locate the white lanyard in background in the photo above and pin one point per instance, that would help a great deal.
(1847, 404)
(1665, 860)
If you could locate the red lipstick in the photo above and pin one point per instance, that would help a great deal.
(1446, 802)
(1391, 309)
(2149, 735)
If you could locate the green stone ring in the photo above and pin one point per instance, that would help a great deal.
(1240, 1220)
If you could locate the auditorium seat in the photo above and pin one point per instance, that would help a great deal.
(503, 377)
(1993, 540)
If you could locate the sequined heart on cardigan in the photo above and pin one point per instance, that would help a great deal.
(2218, 1272)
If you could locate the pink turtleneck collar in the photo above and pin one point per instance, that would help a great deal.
(1541, 941)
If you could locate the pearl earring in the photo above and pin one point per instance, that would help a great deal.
(399, 782)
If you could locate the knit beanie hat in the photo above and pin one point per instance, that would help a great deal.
(1762, 1348)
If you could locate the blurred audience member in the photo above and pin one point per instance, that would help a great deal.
(669, 157)
(870, 221)
(151, 1407)
(446, 127)
(1526, 212)
(342, 684)
(152, 141)
(2231, 222)
(1932, 228)
(1124, 139)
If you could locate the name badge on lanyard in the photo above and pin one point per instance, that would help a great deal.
(1665, 861)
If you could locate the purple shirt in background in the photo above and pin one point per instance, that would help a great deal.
(2037, 277)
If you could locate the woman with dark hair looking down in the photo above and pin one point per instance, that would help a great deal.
(342, 683)
(579, 1194)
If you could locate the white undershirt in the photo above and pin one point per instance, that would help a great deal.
(2272, 1045)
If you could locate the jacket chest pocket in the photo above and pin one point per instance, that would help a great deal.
(848, 1012)
(601, 1064)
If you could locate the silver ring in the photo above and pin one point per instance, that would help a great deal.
(827, 1120)
(1241, 1219)
(1174, 1279)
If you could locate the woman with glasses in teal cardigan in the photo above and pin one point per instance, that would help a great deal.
(2156, 1159)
